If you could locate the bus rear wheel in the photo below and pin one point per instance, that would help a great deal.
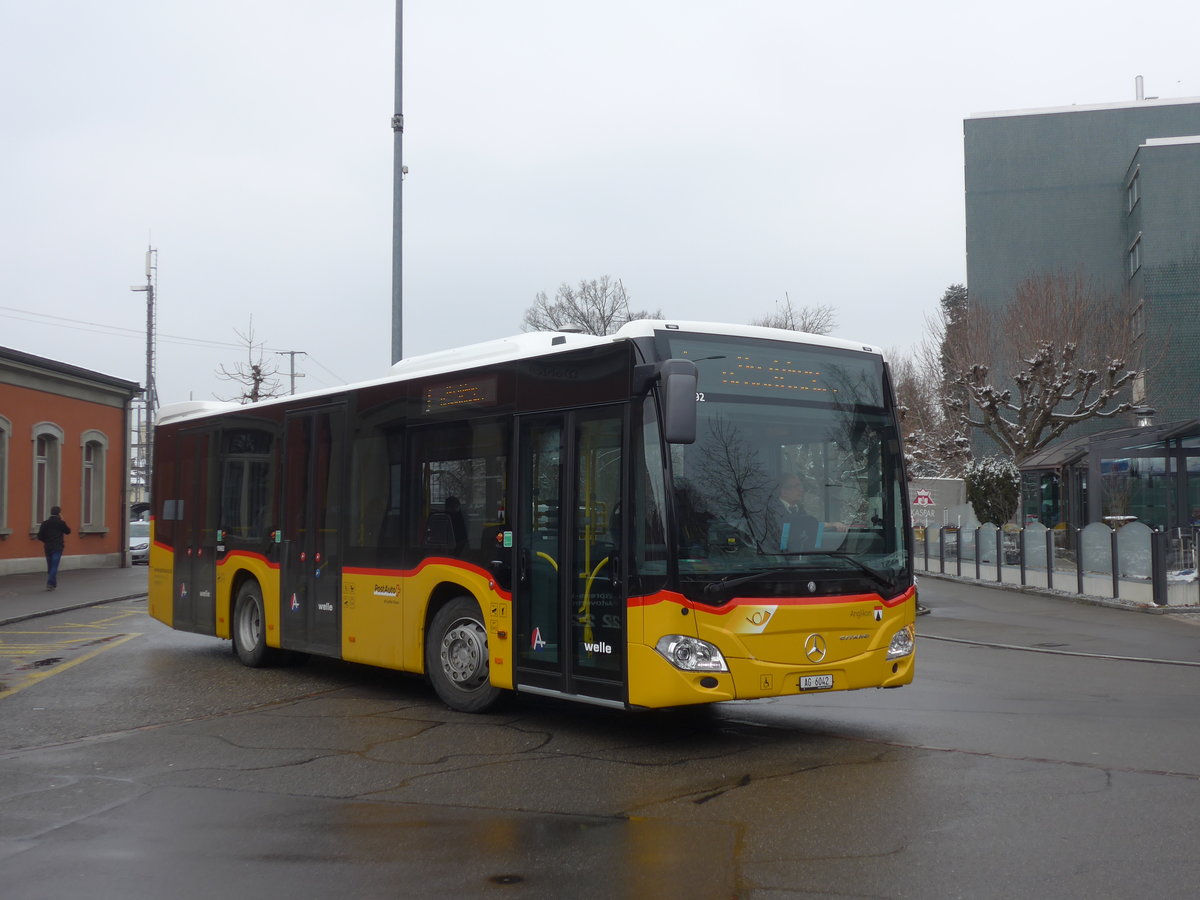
(249, 627)
(456, 657)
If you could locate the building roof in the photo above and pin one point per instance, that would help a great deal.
(1069, 452)
(1086, 107)
(23, 360)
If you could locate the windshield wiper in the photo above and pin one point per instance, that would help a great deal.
(878, 577)
(729, 581)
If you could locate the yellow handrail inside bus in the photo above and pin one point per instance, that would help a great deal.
(586, 609)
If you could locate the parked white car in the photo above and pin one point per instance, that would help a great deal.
(139, 542)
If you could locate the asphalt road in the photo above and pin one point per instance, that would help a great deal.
(1047, 748)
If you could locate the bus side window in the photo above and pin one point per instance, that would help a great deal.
(648, 516)
(457, 488)
(246, 473)
(374, 535)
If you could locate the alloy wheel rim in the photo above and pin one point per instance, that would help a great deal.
(464, 654)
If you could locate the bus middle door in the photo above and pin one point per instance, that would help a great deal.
(311, 559)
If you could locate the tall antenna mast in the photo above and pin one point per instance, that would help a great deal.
(151, 394)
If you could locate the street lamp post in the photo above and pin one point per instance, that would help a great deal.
(398, 171)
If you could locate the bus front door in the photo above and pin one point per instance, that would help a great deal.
(311, 557)
(194, 606)
(570, 608)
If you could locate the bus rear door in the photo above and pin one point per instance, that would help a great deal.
(195, 536)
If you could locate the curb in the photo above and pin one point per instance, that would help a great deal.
(62, 609)
(1085, 599)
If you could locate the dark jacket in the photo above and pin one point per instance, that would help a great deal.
(792, 531)
(52, 532)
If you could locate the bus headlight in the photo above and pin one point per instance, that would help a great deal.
(902, 643)
(691, 654)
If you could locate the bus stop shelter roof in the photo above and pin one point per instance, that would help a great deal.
(1074, 450)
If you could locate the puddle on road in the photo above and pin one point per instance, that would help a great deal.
(41, 663)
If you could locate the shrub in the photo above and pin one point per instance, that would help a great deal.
(993, 488)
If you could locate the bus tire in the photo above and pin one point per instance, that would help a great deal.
(456, 657)
(249, 627)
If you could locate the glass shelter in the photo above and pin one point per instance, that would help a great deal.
(1148, 474)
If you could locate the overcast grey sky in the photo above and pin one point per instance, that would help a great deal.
(712, 155)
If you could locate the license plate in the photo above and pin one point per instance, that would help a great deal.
(816, 682)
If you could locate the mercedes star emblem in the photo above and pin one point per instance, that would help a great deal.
(814, 648)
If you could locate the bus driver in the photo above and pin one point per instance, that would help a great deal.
(797, 529)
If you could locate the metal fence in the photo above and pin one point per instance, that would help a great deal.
(1133, 562)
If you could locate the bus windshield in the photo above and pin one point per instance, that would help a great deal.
(795, 473)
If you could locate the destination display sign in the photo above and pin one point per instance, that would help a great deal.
(460, 394)
(782, 370)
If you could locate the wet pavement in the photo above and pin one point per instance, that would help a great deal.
(25, 596)
(161, 767)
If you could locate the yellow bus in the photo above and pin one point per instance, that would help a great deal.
(678, 513)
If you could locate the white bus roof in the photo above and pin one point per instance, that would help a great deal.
(522, 346)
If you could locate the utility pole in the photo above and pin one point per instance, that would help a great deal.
(398, 172)
(292, 354)
(151, 395)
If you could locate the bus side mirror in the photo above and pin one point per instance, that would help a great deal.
(679, 401)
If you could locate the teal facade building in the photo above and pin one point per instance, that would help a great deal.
(1112, 193)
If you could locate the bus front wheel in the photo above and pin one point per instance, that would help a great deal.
(249, 627)
(456, 657)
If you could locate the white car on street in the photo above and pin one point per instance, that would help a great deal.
(139, 543)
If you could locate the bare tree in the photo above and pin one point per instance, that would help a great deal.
(256, 377)
(599, 306)
(951, 319)
(935, 441)
(1059, 353)
(821, 319)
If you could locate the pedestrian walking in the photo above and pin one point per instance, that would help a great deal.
(51, 534)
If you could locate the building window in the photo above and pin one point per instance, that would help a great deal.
(1139, 389)
(95, 453)
(5, 434)
(47, 469)
(1135, 256)
(1137, 320)
(1133, 191)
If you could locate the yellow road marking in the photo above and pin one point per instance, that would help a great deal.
(37, 677)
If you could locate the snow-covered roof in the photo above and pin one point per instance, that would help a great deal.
(190, 409)
(648, 327)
